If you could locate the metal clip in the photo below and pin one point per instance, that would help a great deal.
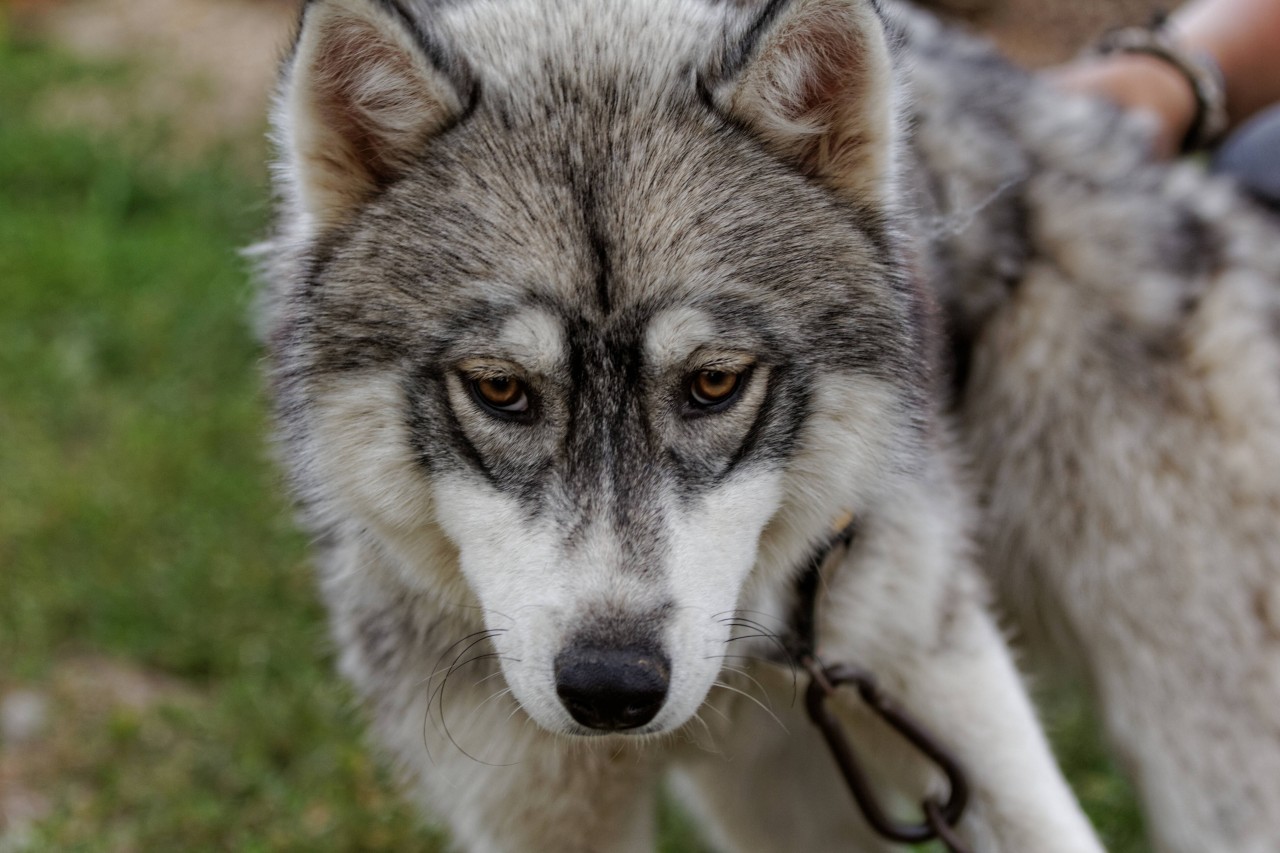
(939, 818)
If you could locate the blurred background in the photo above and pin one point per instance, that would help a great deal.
(165, 678)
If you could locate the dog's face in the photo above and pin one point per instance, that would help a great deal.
(587, 324)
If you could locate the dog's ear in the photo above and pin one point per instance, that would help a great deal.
(814, 80)
(363, 92)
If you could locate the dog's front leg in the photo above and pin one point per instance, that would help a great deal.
(908, 605)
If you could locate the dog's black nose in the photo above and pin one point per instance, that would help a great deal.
(611, 688)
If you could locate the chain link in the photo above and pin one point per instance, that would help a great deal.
(939, 818)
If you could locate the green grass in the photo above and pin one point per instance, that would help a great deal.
(140, 518)
(141, 521)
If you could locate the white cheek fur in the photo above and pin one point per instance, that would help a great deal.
(714, 549)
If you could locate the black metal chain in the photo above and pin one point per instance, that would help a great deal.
(940, 818)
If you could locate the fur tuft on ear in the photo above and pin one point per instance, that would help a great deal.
(362, 93)
(814, 79)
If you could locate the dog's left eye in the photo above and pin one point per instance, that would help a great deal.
(502, 395)
(712, 390)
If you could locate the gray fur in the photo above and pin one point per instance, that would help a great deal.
(1118, 323)
(591, 190)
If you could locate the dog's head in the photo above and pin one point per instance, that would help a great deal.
(609, 293)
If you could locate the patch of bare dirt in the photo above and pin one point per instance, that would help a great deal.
(40, 728)
(204, 68)
(1038, 33)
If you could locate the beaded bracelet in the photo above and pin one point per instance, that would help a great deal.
(1200, 69)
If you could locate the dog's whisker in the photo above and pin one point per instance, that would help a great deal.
(759, 631)
(445, 723)
(762, 706)
(775, 617)
(754, 658)
(711, 745)
(493, 674)
(426, 744)
(483, 610)
(788, 664)
(503, 692)
(744, 621)
(438, 692)
(738, 615)
(741, 637)
(711, 707)
(479, 639)
(762, 633)
(748, 624)
(481, 635)
(743, 672)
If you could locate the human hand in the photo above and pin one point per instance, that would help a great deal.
(1136, 81)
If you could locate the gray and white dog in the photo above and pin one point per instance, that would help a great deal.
(589, 317)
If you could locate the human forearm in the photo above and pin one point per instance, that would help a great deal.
(1243, 37)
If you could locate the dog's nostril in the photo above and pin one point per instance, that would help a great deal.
(611, 688)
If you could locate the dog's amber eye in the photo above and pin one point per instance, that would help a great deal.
(502, 393)
(711, 388)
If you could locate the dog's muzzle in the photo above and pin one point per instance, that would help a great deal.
(612, 688)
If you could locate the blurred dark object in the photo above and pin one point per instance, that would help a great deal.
(1251, 155)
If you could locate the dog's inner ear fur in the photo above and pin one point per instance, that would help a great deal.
(361, 100)
(814, 80)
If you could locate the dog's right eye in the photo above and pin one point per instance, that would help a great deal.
(504, 396)
(714, 390)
